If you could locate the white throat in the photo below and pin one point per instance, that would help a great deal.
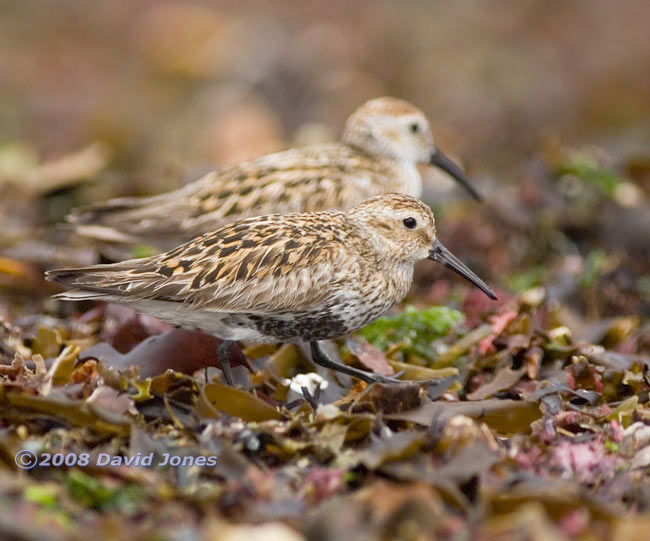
(411, 180)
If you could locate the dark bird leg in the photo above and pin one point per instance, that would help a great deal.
(311, 400)
(223, 356)
(319, 357)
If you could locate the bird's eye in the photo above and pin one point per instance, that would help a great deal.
(409, 223)
(415, 127)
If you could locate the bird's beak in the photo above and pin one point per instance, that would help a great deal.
(440, 160)
(440, 254)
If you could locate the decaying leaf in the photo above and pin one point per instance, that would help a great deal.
(370, 357)
(504, 416)
(216, 398)
(505, 378)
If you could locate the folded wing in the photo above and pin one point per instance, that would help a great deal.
(297, 180)
(262, 265)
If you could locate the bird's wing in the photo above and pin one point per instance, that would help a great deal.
(270, 264)
(297, 180)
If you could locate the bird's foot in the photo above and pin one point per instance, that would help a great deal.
(322, 359)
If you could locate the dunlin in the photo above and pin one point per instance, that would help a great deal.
(280, 277)
(383, 142)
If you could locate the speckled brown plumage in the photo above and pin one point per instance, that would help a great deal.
(281, 277)
(382, 143)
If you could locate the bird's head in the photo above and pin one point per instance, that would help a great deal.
(395, 129)
(402, 229)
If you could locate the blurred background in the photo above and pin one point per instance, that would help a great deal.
(171, 87)
(547, 105)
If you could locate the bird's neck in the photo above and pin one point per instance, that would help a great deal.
(394, 275)
(409, 180)
(401, 176)
(397, 278)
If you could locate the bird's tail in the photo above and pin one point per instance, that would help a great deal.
(100, 282)
(122, 220)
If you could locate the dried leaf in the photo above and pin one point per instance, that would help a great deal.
(505, 378)
(369, 356)
(76, 412)
(397, 446)
(415, 372)
(504, 416)
(111, 400)
(215, 398)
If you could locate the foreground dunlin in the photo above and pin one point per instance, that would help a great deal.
(280, 277)
(383, 142)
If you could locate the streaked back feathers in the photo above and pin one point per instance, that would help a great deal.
(275, 263)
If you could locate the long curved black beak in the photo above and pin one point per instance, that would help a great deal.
(440, 160)
(440, 254)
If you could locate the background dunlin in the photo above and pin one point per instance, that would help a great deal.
(383, 142)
